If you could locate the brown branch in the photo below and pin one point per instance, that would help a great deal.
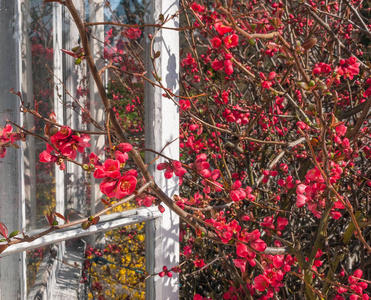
(80, 221)
(120, 133)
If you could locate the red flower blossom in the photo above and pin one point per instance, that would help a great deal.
(199, 263)
(124, 147)
(108, 187)
(184, 104)
(228, 67)
(222, 29)
(231, 41)
(216, 42)
(7, 138)
(348, 67)
(217, 65)
(240, 263)
(197, 7)
(261, 282)
(132, 33)
(125, 186)
(111, 168)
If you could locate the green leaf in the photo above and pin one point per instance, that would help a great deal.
(14, 233)
(251, 42)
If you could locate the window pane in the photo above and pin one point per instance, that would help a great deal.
(35, 259)
(38, 87)
(117, 270)
(124, 49)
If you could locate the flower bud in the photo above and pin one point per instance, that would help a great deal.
(85, 167)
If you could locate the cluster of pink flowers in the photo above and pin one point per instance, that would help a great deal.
(280, 225)
(357, 287)
(225, 64)
(132, 33)
(341, 140)
(167, 272)
(348, 67)
(65, 143)
(115, 184)
(174, 167)
(367, 93)
(237, 193)
(194, 145)
(250, 243)
(222, 98)
(201, 166)
(311, 191)
(267, 82)
(229, 41)
(210, 184)
(225, 230)
(8, 138)
(321, 68)
(236, 115)
(275, 269)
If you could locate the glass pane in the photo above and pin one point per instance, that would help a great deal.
(38, 87)
(56, 274)
(34, 259)
(117, 270)
(124, 50)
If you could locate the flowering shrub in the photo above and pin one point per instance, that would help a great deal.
(275, 147)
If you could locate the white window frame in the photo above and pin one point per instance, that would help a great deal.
(162, 119)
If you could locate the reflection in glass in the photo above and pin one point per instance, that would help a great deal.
(117, 270)
(34, 260)
(38, 88)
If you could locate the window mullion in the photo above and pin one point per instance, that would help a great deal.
(11, 278)
(162, 135)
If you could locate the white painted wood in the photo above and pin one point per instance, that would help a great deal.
(96, 14)
(153, 247)
(18, 36)
(107, 222)
(59, 109)
(11, 285)
(58, 100)
(162, 128)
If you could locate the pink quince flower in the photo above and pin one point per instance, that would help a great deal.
(125, 186)
(231, 41)
(261, 282)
